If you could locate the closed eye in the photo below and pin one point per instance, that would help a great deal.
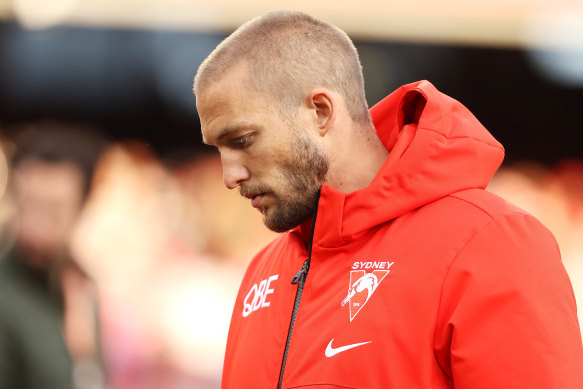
(242, 141)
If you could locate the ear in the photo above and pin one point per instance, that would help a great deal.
(323, 102)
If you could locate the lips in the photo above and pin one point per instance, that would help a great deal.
(256, 200)
(255, 194)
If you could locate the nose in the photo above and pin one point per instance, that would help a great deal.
(234, 171)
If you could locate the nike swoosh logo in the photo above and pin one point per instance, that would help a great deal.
(330, 351)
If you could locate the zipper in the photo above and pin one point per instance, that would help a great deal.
(302, 273)
(300, 280)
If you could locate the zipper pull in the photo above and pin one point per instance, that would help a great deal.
(302, 272)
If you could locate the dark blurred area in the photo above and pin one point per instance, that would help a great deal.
(134, 281)
(132, 84)
(137, 84)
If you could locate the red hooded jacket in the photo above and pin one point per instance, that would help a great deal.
(420, 280)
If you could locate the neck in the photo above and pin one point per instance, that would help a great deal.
(356, 159)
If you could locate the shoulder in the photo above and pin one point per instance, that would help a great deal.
(477, 212)
(487, 203)
(477, 205)
(469, 218)
(494, 226)
(510, 225)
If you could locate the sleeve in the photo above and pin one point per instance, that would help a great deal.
(508, 317)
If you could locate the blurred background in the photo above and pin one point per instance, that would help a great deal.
(144, 271)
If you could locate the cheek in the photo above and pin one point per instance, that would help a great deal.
(269, 161)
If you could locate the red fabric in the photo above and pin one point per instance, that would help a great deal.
(470, 291)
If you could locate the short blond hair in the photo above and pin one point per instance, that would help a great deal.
(289, 52)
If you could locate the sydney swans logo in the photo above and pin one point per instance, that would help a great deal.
(362, 284)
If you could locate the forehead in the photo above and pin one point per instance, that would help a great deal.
(229, 103)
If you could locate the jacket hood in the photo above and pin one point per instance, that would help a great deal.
(436, 147)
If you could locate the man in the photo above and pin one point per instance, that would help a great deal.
(39, 282)
(395, 268)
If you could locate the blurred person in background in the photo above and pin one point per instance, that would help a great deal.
(395, 268)
(48, 322)
(169, 270)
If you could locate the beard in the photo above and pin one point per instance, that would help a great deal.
(304, 168)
